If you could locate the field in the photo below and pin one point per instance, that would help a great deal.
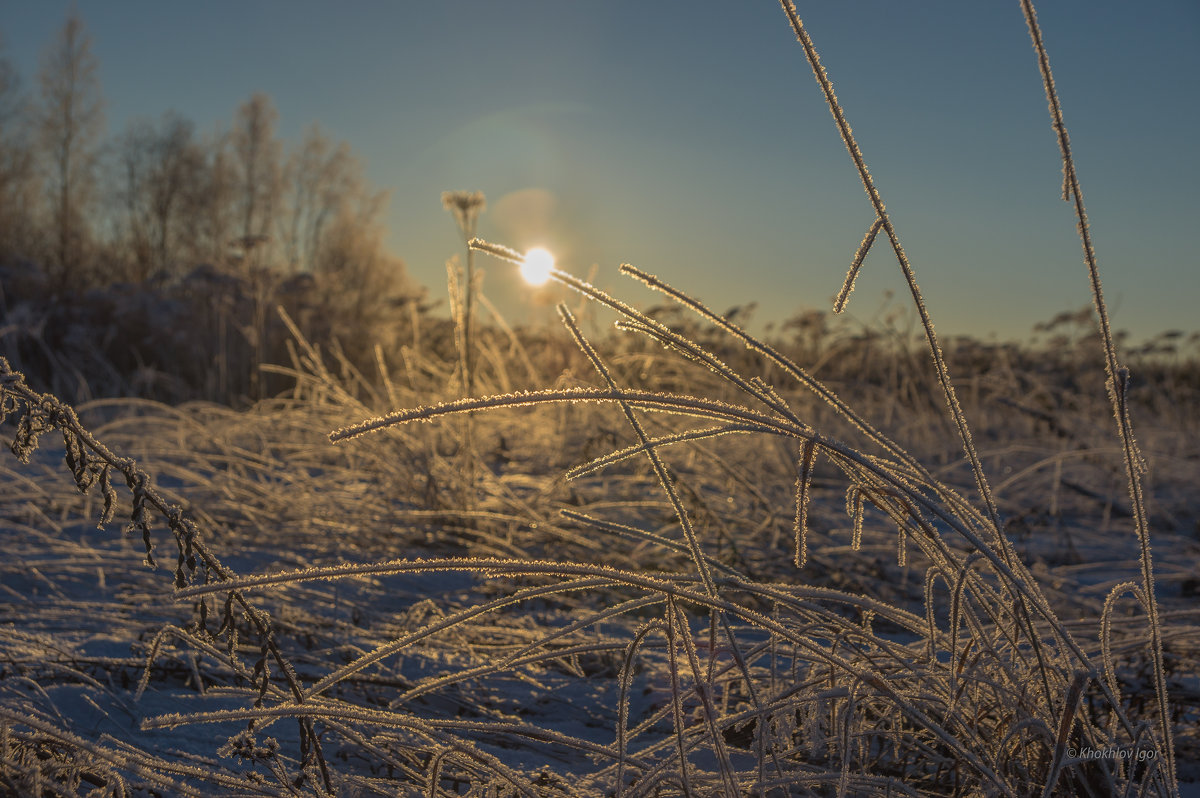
(662, 558)
(550, 635)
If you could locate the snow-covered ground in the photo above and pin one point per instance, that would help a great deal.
(104, 671)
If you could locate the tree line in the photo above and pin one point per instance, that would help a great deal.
(161, 225)
(160, 198)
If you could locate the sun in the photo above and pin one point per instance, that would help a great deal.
(537, 266)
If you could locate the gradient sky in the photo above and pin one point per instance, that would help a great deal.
(691, 139)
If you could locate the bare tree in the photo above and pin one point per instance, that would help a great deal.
(16, 166)
(70, 122)
(212, 199)
(346, 249)
(10, 93)
(161, 167)
(256, 161)
(320, 180)
(364, 289)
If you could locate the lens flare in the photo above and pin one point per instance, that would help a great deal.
(536, 267)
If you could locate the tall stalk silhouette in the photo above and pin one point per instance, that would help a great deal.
(466, 207)
(1116, 382)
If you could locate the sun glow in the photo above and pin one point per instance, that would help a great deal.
(536, 267)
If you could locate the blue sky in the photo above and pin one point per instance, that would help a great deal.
(691, 140)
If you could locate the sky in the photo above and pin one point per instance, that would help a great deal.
(691, 140)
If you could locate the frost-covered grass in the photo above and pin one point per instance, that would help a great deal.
(544, 635)
(684, 561)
